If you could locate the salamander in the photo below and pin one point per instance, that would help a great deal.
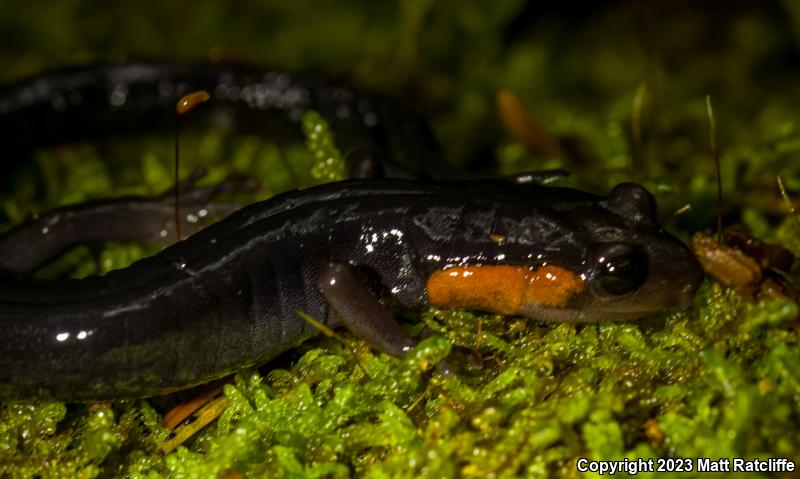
(228, 296)
(87, 103)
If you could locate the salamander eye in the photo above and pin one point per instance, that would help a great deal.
(620, 268)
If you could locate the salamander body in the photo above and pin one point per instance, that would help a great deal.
(228, 296)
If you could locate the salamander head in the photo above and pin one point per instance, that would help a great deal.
(633, 268)
(629, 267)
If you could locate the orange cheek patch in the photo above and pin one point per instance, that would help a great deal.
(502, 289)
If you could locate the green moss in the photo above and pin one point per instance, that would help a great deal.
(328, 162)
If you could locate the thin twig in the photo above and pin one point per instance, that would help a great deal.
(712, 136)
(788, 201)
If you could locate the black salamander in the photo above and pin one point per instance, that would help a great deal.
(228, 296)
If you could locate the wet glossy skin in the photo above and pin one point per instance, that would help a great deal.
(227, 297)
(89, 103)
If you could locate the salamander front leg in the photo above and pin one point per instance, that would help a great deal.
(344, 287)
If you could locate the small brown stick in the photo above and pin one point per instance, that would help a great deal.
(205, 416)
(179, 413)
(522, 126)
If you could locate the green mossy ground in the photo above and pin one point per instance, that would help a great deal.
(719, 380)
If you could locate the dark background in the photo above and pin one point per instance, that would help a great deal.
(579, 68)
